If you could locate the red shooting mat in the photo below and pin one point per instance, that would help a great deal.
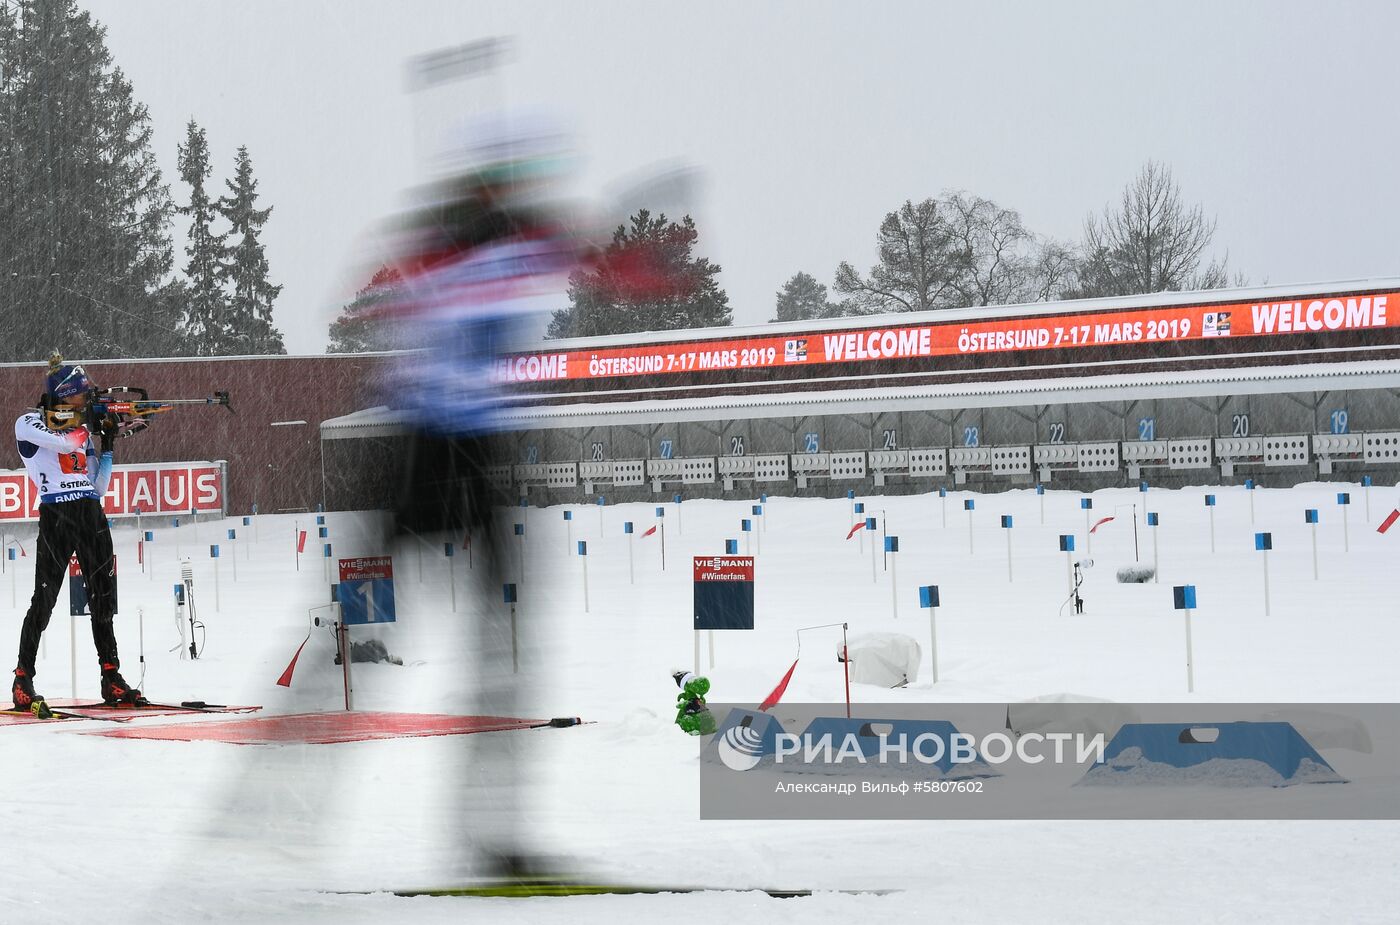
(321, 728)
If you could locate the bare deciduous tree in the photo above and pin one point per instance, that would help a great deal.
(917, 267)
(1152, 241)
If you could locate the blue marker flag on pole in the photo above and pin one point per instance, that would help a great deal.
(942, 492)
(1343, 498)
(746, 525)
(850, 493)
(10, 553)
(602, 501)
(1086, 503)
(870, 523)
(860, 507)
(519, 529)
(627, 526)
(1006, 521)
(213, 552)
(928, 596)
(661, 512)
(1210, 500)
(891, 544)
(969, 504)
(320, 518)
(508, 593)
(583, 547)
(1263, 541)
(1310, 516)
(731, 547)
(1365, 481)
(568, 515)
(150, 536)
(448, 551)
(758, 510)
(1152, 518)
(247, 521)
(233, 535)
(1142, 486)
(1184, 597)
(1039, 488)
(676, 499)
(326, 551)
(1249, 484)
(1066, 542)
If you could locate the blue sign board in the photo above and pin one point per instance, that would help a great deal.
(723, 592)
(928, 596)
(1184, 597)
(367, 591)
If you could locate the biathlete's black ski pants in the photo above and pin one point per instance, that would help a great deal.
(65, 528)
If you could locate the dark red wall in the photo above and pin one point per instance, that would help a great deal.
(276, 467)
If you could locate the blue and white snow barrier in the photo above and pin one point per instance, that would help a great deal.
(1211, 754)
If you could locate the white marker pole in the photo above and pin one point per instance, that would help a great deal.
(1009, 579)
(1190, 669)
(1346, 530)
(217, 608)
(1212, 528)
(1266, 582)
(970, 549)
(894, 586)
(944, 496)
(583, 554)
(73, 652)
(869, 525)
(1155, 569)
(933, 640)
(712, 649)
(1314, 539)
(1042, 507)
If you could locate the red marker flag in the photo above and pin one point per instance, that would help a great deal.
(1099, 524)
(286, 679)
(1389, 521)
(859, 526)
(649, 532)
(301, 541)
(778, 691)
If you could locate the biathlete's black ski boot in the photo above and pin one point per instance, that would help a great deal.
(116, 692)
(22, 693)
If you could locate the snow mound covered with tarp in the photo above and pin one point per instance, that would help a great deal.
(1206, 754)
(883, 659)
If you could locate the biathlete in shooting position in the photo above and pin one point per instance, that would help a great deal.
(56, 443)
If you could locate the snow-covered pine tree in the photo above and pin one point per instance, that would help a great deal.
(245, 271)
(207, 310)
(647, 279)
(84, 216)
(358, 329)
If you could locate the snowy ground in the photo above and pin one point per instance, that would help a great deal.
(178, 832)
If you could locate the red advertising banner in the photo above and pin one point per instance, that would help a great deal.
(366, 568)
(1043, 332)
(154, 488)
(723, 568)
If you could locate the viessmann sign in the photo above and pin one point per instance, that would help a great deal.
(150, 488)
(1313, 315)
